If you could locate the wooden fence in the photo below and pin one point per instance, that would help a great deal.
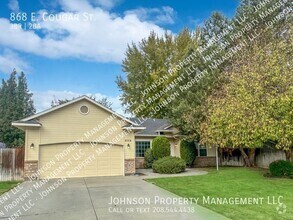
(11, 164)
(263, 157)
(230, 157)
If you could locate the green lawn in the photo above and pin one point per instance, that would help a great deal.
(234, 182)
(6, 186)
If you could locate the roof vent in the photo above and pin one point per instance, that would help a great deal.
(84, 109)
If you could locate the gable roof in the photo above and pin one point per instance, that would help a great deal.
(152, 126)
(29, 120)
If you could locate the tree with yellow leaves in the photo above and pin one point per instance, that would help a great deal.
(255, 105)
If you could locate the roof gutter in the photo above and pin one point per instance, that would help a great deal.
(134, 128)
(20, 124)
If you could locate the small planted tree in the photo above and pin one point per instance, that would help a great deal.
(148, 158)
(160, 147)
(187, 151)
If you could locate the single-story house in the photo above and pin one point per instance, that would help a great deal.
(162, 127)
(154, 128)
(83, 138)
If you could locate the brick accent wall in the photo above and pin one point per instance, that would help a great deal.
(205, 162)
(129, 166)
(139, 162)
(30, 167)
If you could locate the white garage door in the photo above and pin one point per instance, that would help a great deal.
(59, 160)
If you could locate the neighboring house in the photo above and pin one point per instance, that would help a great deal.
(83, 138)
(2, 145)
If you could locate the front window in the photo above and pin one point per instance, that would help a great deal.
(141, 147)
(202, 151)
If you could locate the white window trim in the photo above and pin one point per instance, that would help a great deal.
(198, 151)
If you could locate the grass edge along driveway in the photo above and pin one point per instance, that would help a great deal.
(233, 182)
(7, 185)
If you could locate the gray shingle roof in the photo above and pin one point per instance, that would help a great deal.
(151, 125)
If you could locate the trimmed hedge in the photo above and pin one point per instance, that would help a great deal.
(281, 168)
(169, 165)
(160, 147)
(187, 151)
(148, 158)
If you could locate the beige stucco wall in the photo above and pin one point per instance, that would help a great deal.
(67, 125)
(129, 152)
(32, 136)
(145, 138)
(211, 152)
(175, 147)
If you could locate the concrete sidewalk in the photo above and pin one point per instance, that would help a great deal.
(148, 173)
(91, 198)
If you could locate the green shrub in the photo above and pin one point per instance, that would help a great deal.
(281, 168)
(148, 158)
(169, 165)
(160, 147)
(187, 151)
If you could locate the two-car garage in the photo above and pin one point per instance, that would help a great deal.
(81, 131)
(56, 161)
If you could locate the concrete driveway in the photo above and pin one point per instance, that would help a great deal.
(97, 198)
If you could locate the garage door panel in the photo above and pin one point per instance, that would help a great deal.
(113, 165)
(114, 173)
(90, 173)
(92, 166)
(114, 154)
(109, 163)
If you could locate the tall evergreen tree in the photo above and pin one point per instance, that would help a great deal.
(24, 97)
(15, 103)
